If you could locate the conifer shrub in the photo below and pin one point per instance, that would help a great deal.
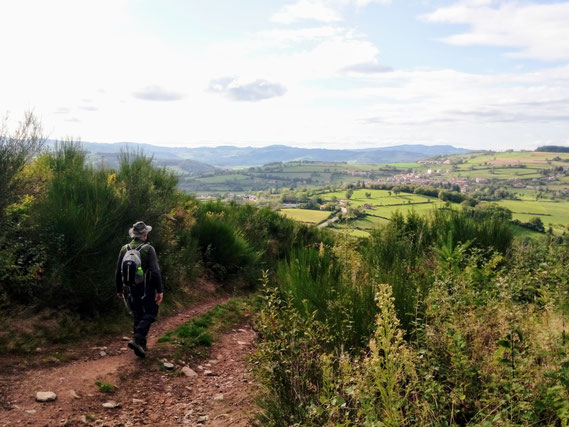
(225, 251)
(79, 219)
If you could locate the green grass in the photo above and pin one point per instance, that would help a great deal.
(219, 179)
(305, 215)
(105, 387)
(552, 213)
(203, 330)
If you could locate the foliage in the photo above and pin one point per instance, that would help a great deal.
(484, 340)
(320, 287)
(17, 148)
(202, 331)
(105, 387)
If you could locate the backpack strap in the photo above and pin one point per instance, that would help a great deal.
(141, 246)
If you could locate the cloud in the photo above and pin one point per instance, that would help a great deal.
(157, 93)
(306, 10)
(536, 31)
(318, 10)
(364, 3)
(62, 110)
(371, 67)
(254, 91)
(88, 108)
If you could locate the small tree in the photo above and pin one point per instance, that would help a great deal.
(537, 224)
(16, 150)
(349, 193)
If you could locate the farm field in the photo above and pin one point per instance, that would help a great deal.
(218, 179)
(377, 198)
(552, 213)
(305, 215)
(500, 173)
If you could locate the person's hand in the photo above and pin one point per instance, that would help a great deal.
(159, 298)
(120, 295)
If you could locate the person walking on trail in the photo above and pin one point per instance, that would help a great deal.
(139, 284)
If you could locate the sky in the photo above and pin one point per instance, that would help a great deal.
(479, 74)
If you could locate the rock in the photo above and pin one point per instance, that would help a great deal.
(221, 416)
(103, 353)
(203, 419)
(111, 405)
(74, 395)
(124, 349)
(138, 401)
(45, 396)
(189, 372)
(213, 361)
(200, 367)
(83, 419)
(242, 330)
(208, 373)
(31, 411)
(125, 338)
(241, 343)
(168, 365)
(218, 397)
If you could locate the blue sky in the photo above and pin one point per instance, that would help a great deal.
(481, 74)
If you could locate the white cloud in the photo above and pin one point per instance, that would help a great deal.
(254, 91)
(537, 31)
(318, 10)
(157, 93)
(78, 66)
(306, 10)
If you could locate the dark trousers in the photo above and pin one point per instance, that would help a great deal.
(144, 311)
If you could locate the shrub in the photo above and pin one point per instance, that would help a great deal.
(17, 148)
(79, 219)
(225, 251)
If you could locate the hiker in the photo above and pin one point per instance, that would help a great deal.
(139, 283)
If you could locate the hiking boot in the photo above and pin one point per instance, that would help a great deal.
(138, 349)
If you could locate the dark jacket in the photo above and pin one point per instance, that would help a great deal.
(149, 266)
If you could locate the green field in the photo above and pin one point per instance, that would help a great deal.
(305, 215)
(218, 179)
(552, 213)
(378, 198)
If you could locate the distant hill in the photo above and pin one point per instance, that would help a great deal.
(231, 156)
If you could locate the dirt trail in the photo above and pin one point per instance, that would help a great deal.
(148, 394)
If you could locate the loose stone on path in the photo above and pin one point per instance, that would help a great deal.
(45, 396)
(189, 372)
(111, 405)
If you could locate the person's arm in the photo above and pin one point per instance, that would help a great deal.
(118, 275)
(156, 277)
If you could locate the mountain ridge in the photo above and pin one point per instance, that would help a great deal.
(233, 156)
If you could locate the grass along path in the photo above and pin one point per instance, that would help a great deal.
(145, 390)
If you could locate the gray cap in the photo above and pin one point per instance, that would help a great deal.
(139, 229)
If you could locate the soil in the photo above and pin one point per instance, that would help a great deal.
(147, 393)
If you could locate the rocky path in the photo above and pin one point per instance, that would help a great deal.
(216, 391)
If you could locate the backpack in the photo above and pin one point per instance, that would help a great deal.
(131, 267)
